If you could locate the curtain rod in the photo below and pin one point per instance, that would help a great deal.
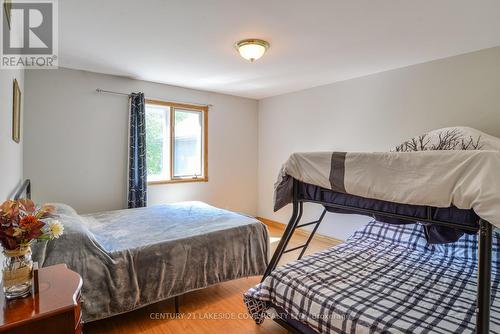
(104, 91)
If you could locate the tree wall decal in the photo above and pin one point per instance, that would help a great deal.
(446, 140)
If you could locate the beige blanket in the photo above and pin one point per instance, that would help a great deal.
(460, 176)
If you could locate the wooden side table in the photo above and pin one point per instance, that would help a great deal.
(54, 309)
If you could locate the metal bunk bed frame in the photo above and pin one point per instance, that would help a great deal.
(484, 250)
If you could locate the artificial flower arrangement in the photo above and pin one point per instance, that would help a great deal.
(21, 223)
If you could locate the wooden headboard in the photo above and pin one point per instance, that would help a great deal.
(24, 188)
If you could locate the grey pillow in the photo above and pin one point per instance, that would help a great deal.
(64, 209)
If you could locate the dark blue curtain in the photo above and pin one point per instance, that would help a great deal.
(137, 174)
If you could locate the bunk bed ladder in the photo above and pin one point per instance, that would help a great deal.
(316, 224)
(293, 224)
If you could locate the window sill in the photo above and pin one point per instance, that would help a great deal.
(200, 179)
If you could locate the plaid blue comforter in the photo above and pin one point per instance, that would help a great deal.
(384, 279)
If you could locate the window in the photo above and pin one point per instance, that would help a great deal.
(176, 142)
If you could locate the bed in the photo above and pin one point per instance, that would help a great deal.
(131, 258)
(446, 180)
(384, 279)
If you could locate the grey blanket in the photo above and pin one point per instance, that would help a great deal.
(132, 258)
(451, 166)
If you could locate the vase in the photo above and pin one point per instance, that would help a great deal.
(17, 272)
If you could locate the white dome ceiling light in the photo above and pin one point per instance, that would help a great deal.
(252, 49)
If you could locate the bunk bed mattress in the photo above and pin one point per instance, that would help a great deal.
(385, 278)
(434, 233)
(465, 179)
(451, 166)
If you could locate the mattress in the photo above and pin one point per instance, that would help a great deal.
(135, 257)
(434, 233)
(447, 167)
(384, 279)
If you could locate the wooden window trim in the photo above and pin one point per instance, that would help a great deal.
(204, 111)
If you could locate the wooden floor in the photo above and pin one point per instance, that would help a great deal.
(202, 311)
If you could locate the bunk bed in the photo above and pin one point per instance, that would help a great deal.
(467, 203)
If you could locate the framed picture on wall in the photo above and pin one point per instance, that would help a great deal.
(16, 113)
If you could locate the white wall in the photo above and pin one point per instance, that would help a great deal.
(76, 143)
(11, 153)
(374, 113)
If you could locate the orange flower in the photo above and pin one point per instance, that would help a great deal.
(28, 221)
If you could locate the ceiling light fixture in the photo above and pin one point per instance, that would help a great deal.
(252, 49)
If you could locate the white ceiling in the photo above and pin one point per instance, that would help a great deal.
(313, 42)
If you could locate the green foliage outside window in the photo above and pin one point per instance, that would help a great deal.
(154, 143)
